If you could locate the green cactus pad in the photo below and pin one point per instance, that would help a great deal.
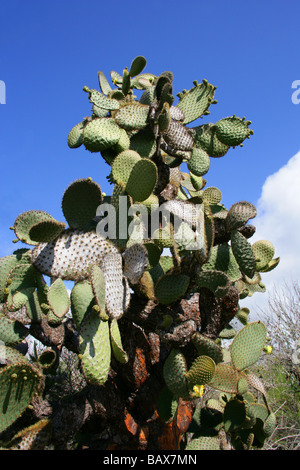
(98, 286)
(196, 101)
(116, 343)
(123, 165)
(12, 331)
(204, 443)
(248, 345)
(137, 66)
(171, 287)
(100, 134)
(263, 251)
(221, 258)
(207, 347)
(75, 135)
(18, 385)
(166, 405)
(103, 83)
(234, 414)
(21, 284)
(164, 118)
(206, 139)
(123, 143)
(270, 424)
(201, 371)
(212, 195)
(25, 221)
(17, 300)
(174, 371)
(199, 163)
(39, 296)
(232, 130)
(132, 116)
(46, 231)
(142, 180)
(95, 349)
(243, 253)
(7, 263)
(58, 298)
(225, 378)
(143, 142)
(217, 281)
(82, 301)
(80, 202)
(243, 315)
(102, 101)
(239, 214)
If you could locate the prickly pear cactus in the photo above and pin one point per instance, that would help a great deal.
(157, 270)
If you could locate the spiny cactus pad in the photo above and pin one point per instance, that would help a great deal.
(171, 287)
(174, 372)
(80, 202)
(18, 385)
(82, 301)
(233, 130)
(201, 371)
(248, 344)
(25, 221)
(58, 298)
(95, 349)
(100, 134)
(196, 101)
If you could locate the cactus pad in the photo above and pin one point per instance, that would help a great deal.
(100, 134)
(116, 343)
(18, 385)
(196, 101)
(174, 371)
(58, 298)
(201, 371)
(25, 221)
(248, 345)
(95, 349)
(80, 202)
(82, 301)
(132, 116)
(233, 130)
(75, 135)
(171, 287)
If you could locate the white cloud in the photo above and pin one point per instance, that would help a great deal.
(278, 220)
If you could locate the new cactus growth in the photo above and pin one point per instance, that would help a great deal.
(146, 326)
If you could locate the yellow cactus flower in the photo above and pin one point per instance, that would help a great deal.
(198, 390)
(268, 349)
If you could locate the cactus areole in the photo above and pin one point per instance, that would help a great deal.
(157, 269)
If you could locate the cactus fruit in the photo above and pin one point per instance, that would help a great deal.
(158, 268)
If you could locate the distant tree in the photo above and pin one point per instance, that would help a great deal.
(281, 370)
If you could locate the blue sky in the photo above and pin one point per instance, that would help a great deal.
(51, 49)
